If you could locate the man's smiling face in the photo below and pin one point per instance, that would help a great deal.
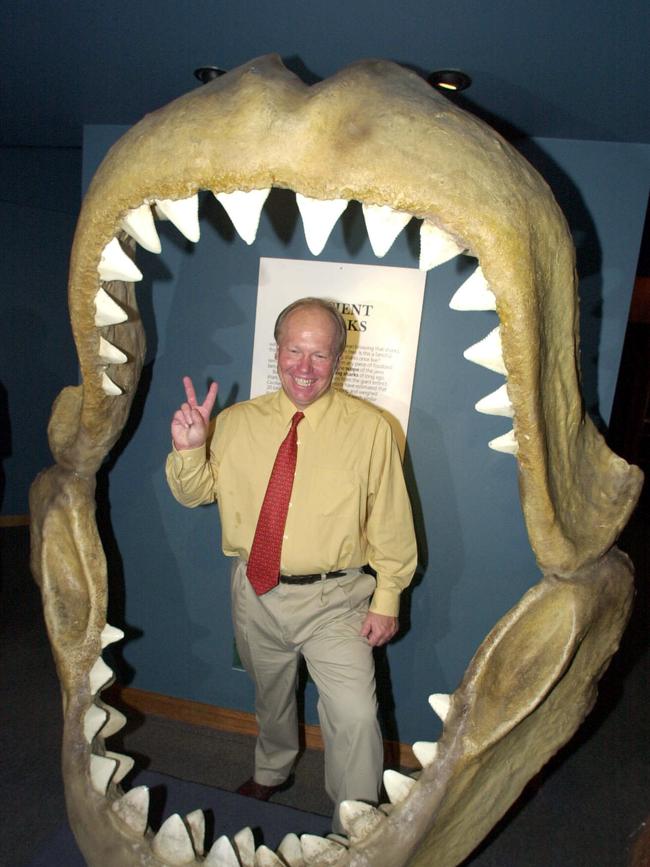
(306, 355)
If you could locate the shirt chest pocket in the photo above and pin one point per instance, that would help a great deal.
(334, 492)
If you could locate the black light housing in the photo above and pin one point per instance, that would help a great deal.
(453, 80)
(208, 73)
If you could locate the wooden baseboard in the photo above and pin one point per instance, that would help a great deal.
(14, 520)
(226, 720)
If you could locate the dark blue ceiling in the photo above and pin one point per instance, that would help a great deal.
(559, 68)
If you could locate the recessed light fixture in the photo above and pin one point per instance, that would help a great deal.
(450, 80)
(208, 73)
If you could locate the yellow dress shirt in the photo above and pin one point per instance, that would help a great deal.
(349, 504)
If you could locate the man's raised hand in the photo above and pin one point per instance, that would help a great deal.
(190, 422)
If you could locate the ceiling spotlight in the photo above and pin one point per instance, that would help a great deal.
(450, 79)
(208, 73)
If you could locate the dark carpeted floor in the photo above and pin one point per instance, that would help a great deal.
(583, 810)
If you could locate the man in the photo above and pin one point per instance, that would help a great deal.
(317, 470)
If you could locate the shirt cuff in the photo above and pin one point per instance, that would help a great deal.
(386, 602)
(187, 458)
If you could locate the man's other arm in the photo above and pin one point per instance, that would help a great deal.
(391, 537)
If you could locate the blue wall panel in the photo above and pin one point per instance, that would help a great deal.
(170, 581)
(40, 203)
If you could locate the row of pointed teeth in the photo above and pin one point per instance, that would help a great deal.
(475, 294)
(319, 217)
(179, 841)
(105, 720)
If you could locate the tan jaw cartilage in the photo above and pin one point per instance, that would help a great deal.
(380, 135)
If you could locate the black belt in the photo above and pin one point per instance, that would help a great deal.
(309, 579)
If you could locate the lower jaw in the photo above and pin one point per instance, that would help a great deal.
(567, 628)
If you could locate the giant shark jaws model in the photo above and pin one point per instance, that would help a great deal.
(380, 135)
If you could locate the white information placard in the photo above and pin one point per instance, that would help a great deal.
(382, 307)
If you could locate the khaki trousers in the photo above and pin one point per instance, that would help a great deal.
(321, 621)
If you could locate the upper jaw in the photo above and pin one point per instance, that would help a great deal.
(380, 135)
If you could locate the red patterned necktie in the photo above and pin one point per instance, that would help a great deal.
(263, 567)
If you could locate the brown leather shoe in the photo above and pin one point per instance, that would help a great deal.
(251, 789)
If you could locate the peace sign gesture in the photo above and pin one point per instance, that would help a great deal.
(190, 421)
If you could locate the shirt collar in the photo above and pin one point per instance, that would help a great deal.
(313, 413)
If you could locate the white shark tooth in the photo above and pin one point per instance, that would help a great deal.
(340, 839)
(496, 403)
(133, 808)
(440, 703)
(116, 721)
(184, 214)
(195, 821)
(101, 771)
(397, 786)
(506, 443)
(172, 844)
(358, 818)
(244, 210)
(139, 224)
(109, 387)
(319, 217)
(436, 246)
(100, 674)
(349, 811)
(474, 294)
(124, 765)
(221, 854)
(114, 264)
(319, 849)
(109, 353)
(383, 225)
(425, 752)
(94, 719)
(487, 352)
(245, 847)
(107, 311)
(110, 634)
(290, 850)
(265, 857)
